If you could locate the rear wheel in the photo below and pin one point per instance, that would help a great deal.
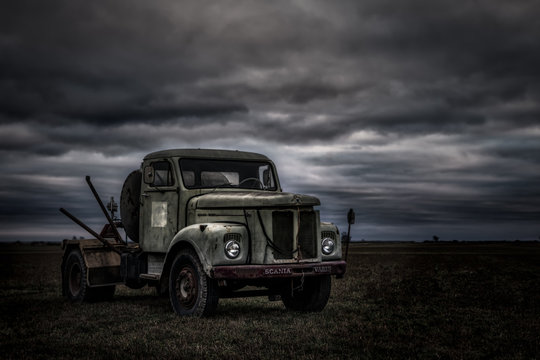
(75, 281)
(307, 294)
(191, 292)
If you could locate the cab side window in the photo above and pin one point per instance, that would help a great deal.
(162, 174)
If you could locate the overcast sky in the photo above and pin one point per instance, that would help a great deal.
(423, 116)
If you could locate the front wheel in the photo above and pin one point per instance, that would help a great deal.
(308, 294)
(192, 293)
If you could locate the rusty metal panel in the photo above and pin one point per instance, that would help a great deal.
(103, 265)
(100, 257)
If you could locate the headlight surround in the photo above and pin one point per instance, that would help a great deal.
(328, 246)
(232, 249)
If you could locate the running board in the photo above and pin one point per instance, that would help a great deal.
(154, 277)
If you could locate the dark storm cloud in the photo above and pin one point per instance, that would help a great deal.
(103, 65)
(117, 63)
(431, 187)
(418, 113)
(133, 112)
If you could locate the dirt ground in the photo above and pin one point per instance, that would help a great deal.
(397, 300)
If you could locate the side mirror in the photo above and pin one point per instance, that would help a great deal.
(350, 220)
(350, 216)
(149, 175)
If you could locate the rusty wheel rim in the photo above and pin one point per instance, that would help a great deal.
(75, 279)
(187, 287)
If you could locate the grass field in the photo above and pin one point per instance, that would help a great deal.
(440, 300)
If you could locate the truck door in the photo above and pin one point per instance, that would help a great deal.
(159, 206)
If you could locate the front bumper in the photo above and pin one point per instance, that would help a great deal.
(279, 271)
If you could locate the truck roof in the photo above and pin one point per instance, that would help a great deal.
(207, 154)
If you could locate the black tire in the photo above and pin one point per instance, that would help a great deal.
(310, 294)
(191, 291)
(75, 282)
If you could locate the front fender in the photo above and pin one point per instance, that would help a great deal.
(208, 241)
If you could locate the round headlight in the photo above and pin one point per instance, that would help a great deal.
(232, 249)
(328, 246)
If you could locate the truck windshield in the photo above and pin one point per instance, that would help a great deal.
(201, 173)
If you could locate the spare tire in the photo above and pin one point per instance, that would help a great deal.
(130, 202)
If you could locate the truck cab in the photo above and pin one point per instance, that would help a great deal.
(206, 224)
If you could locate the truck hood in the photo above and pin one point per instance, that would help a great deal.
(252, 199)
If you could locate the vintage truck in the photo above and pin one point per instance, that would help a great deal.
(205, 224)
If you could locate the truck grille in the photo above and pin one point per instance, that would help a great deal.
(283, 231)
(283, 235)
(307, 239)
